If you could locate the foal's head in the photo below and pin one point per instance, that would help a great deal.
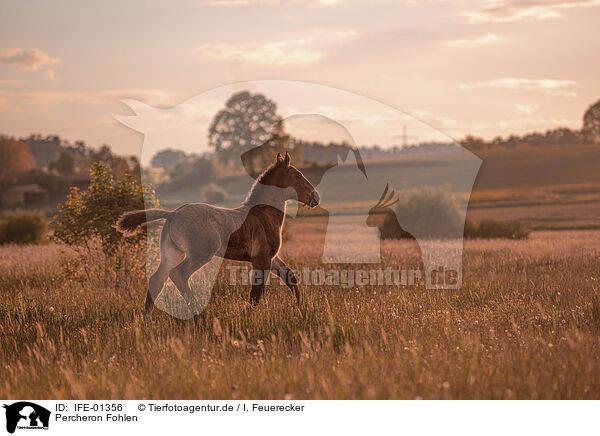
(284, 175)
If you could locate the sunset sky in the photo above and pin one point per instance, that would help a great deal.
(483, 67)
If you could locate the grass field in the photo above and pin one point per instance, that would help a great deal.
(526, 324)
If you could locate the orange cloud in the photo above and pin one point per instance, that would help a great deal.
(507, 11)
(547, 86)
(32, 59)
(307, 49)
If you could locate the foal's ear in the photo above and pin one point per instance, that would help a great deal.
(286, 160)
(279, 160)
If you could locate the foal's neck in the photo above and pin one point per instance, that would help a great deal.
(267, 195)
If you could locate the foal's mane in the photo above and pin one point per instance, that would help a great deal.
(253, 194)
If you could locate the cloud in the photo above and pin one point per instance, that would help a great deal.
(11, 82)
(521, 123)
(433, 118)
(15, 101)
(269, 2)
(32, 59)
(507, 11)
(300, 51)
(272, 53)
(527, 109)
(488, 38)
(547, 86)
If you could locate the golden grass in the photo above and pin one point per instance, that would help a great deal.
(525, 324)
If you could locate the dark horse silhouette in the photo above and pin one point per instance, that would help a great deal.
(13, 415)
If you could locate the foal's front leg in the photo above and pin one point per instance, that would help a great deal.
(261, 268)
(287, 276)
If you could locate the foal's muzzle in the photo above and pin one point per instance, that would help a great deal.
(314, 199)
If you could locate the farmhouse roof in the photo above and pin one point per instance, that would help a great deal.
(30, 189)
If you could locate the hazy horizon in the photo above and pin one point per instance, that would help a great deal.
(485, 68)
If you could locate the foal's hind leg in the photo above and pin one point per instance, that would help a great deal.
(170, 257)
(199, 248)
(180, 275)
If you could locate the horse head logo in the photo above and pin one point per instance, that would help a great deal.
(349, 239)
(25, 414)
(349, 190)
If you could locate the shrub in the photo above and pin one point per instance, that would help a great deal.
(434, 212)
(427, 212)
(214, 194)
(497, 229)
(23, 227)
(122, 270)
(91, 214)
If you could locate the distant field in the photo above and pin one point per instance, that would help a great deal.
(551, 187)
(539, 167)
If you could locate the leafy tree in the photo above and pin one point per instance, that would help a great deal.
(104, 154)
(45, 150)
(244, 123)
(214, 194)
(563, 136)
(92, 214)
(168, 158)
(591, 123)
(185, 174)
(16, 158)
(135, 167)
(259, 158)
(473, 143)
(65, 164)
(120, 166)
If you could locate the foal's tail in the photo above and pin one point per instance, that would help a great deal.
(130, 221)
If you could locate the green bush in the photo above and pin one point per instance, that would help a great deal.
(213, 193)
(22, 227)
(427, 212)
(497, 229)
(435, 212)
(92, 214)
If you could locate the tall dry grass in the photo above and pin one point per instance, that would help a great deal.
(525, 324)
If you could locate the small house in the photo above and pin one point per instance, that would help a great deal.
(25, 195)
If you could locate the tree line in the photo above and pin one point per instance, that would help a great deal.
(247, 133)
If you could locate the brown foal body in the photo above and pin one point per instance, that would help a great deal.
(196, 232)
